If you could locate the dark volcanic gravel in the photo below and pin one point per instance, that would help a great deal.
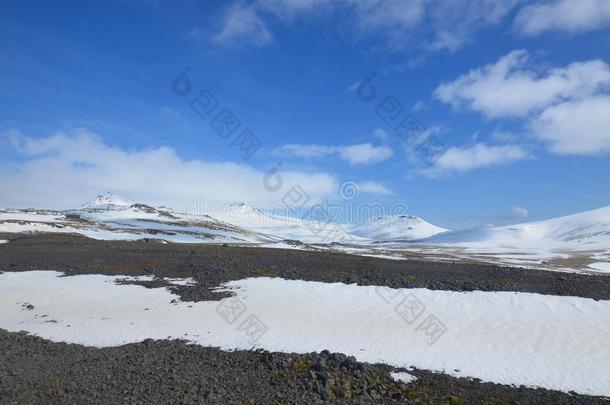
(34, 370)
(212, 265)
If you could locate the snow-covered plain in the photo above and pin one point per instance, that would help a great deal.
(554, 342)
(604, 267)
(30, 215)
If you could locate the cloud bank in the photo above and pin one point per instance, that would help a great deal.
(569, 16)
(461, 160)
(508, 88)
(359, 154)
(432, 24)
(567, 108)
(66, 169)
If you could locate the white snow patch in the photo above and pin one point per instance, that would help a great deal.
(128, 234)
(127, 279)
(33, 216)
(285, 245)
(553, 342)
(382, 256)
(181, 281)
(601, 266)
(404, 377)
(3, 241)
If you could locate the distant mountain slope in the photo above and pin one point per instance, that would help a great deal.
(108, 201)
(401, 227)
(586, 229)
(110, 216)
(114, 217)
(580, 241)
(284, 227)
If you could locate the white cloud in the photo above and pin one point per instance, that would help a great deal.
(373, 187)
(359, 154)
(572, 16)
(457, 159)
(394, 18)
(453, 23)
(567, 108)
(380, 134)
(243, 26)
(504, 136)
(430, 24)
(433, 24)
(365, 154)
(290, 9)
(419, 106)
(64, 170)
(520, 212)
(305, 151)
(508, 88)
(580, 127)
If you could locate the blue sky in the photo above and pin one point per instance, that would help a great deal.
(516, 92)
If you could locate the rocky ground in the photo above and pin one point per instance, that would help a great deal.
(35, 370)
(212, 265)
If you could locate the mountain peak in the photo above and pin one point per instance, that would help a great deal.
(108, 201)
(238, 206)
(396, 227)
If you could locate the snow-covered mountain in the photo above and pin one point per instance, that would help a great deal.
(281, 226)
(110, 216)
(574, 241)
(589, 229)
(108, 201)
(114, 217)
(579, 241)
(400, 227)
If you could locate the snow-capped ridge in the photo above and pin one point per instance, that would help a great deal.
(108, 201)
(396, 227)
(238, 207)
(570, 242)
(578, 242)
(591, 226)
(397, 218)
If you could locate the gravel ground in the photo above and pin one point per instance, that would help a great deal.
(212, 265)
(35, 370)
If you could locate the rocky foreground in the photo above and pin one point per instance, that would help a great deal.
(36, 370)
(33, 370)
